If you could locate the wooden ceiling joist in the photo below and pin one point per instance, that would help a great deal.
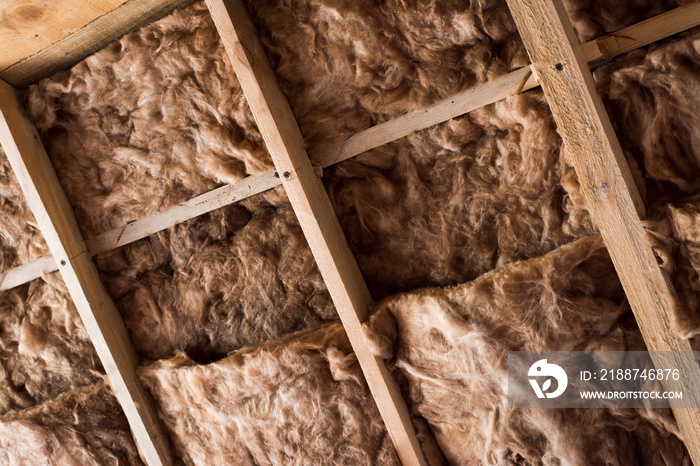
(47, 37)
(314, 211)
(613, 198)
(57, 223)
(630, 38)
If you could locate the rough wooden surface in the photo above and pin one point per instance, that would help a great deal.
(56, 221)
(28, 26)
(67, 30)
(608, 186)
(643, 33)
(314, 211)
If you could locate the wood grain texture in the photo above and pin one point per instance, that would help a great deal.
(641, 34)
(607, 184)
(314, 211)
(59, 227)
(28, 26)
(76, 37)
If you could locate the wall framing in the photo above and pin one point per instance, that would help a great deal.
(598, 159)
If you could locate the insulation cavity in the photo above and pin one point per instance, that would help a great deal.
(300, 400)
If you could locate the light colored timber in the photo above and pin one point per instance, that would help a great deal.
(139, 229)
(643, 33)
(314, 211)
(609, 188)
(72, 30)
(199, 205)
(446, 109)
(29, 26)
(373, 137)
(27, 272)
(57, 223)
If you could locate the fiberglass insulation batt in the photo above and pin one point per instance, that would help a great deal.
(158, 118)
(82, 427)
(155, 119)
(44, 348)
(300, 400)
(20, 239)
(451, 347)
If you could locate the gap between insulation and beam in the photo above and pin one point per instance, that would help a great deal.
(595, 52)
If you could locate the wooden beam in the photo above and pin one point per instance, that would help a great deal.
(446, 109)
(314, 211)
(56, 221)
(608, 186)
(521, 80)
(641, 34)
(40, 38)
(29, 26)
(27, 272)
(142, 228)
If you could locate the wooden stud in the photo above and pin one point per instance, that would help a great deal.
(452, 107)
(608, 186)
(314, 211)
(97, 24)
(27, 272)
(669, 23)
(57, 223)
(641, 34)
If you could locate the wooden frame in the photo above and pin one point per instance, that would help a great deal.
(314, 211)
(102, 320)
(598, 160)
(607, 183)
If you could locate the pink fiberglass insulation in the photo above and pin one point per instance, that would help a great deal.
(20, 239)
(83, 427)
(653, 98)
(214, 284)
(299, 400)
(451, 347)
(44, 348)
(148, 122)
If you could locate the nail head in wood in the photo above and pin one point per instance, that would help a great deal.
(559, 66)
(63, 262)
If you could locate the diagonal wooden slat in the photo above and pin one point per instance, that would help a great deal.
(314, 211)
(56, 221)
(613, 198)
